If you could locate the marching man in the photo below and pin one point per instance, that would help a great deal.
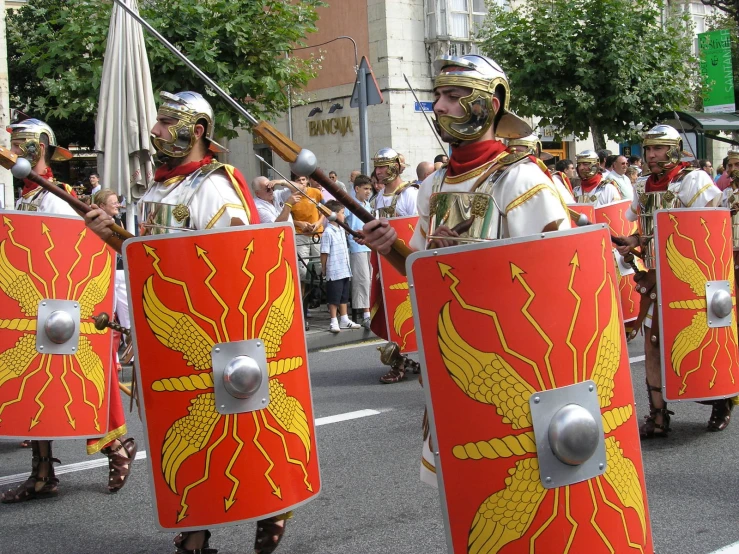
(592, 188)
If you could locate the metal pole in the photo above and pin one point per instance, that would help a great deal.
(289, 106)
(423, 111)
(363, 130)
(180, 56)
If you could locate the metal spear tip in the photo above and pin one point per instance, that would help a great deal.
(21, 169)
(305, 164)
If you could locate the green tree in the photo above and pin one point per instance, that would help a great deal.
(729, 7)
(56, 48)
(593, 65)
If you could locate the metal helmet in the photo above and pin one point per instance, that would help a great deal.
(395, 163)
(29, 133)
(665, 135)
(484, 77)
(530, 143)
(188, 108)
(591, 162)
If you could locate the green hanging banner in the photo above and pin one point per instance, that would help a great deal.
(716, 70)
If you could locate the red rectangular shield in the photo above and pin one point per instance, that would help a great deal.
(395, 293)
(498, 323)
(614, 215)
(53, 396)
(189, 292)
(588, 210)
(700, 361)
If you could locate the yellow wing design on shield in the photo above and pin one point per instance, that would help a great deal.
(688, 340)
(403, 313)
(289, 414)
(685, 269)
(485, 377)
(15, 361)
(96, 290)
(18, 285)
(279, 318)
(177, 331)
(188, 435)
(623, 477)
(608, 356)
(501, 519)
(91, 366)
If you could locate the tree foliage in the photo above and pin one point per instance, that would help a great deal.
(593, 65)
(729, 7)
(56, 49)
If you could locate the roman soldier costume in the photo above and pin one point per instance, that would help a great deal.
(667, 237)
(532, 145)
(593, 188)
(485, 192)
(402, 201)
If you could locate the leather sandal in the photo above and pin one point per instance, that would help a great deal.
(180, 539)
(650, 428)
(27, 490)
(267, 530)
(119, 466)
(395, 375)
(720, 415)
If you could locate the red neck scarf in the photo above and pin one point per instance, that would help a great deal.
(591, 182)
(660, 182)
(29, 185)
(471, 156)
(165, 172)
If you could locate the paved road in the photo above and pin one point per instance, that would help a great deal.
(372, 500)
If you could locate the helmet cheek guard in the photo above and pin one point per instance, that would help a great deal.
(587, 170)
(31, 151)
(180, 142)
(478, 117)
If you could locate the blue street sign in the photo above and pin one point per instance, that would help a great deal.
(427, 107)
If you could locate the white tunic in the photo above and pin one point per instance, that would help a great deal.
(212, 206)
(41, 200)
(695, 190)
(406, 204)
(603, 194)
(623, 184)
(528, 200)
(564, 192)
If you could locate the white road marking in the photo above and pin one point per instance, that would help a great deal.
(636, 359)
(730, 549)
(100, 462)
(355, 345)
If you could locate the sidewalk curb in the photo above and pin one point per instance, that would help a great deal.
(318, 340)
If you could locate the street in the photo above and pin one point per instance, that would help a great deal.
(372, 500)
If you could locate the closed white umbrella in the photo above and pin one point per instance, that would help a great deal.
(126, 111)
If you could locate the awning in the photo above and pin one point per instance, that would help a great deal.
(701, 122)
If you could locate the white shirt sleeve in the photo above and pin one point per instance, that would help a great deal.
(530, 201)
(696, 189)
(418, 241)
(407, 203)
(54, 205)
(215, 203)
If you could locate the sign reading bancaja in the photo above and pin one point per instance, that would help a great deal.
(716, 70)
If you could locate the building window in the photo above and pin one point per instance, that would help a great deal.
(455, 19)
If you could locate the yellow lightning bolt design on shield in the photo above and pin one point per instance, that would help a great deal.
(575, 263)
(202, 254)
(89, 272)
(45, 231)
(22, 389)
(597, 313)
(288, 458)
(274, 268)
(712, 269)
(184, 506)
(676, 225)
(36, 419)
(446, 271)
(595, 514)
(571, 520)
(247, 256)
(70, 399)
(76, 261)
(517, 274)
(257, 430)
(84, 392)
(543, 527)
(151, 252)
(620, 513)
(11, 231)
(228, 502)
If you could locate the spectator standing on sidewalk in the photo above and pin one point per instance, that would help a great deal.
(336, 270)
(273, 205)
(359, 254)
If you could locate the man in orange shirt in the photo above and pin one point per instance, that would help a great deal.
(308, 223)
